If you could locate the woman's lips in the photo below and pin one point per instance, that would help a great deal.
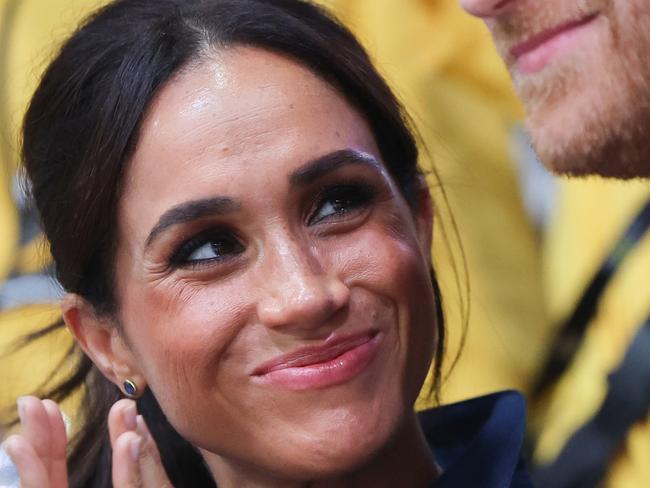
(535, 53)
(308, 368)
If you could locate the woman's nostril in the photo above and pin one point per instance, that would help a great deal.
(308, 305)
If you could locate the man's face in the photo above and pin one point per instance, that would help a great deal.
(582, 69)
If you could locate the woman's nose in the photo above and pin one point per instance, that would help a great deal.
(299, 295)
(486, 8)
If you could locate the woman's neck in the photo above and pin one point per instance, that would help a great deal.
(406, 462)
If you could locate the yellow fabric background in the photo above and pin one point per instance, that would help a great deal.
(592, 214)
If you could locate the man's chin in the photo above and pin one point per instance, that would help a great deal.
(589, 153)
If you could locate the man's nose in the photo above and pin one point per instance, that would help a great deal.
(299, 294)
(486, 8)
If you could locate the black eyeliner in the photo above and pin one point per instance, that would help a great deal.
(178, 258)
(362, 192)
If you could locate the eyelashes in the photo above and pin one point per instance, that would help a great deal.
(209, 246)
(336, 203)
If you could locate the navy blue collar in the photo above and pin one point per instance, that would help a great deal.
(477, 443)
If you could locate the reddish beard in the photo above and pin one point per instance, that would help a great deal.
(589, 111)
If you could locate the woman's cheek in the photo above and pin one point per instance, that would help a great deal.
(194, 326)
(385, 255)
(390, 264)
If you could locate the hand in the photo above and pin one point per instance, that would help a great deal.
(39, 452)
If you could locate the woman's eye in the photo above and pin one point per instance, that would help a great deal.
(213, 250)
(203, 249)
(341, 200)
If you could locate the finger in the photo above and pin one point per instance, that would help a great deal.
(58, 445)
(29, 465)
(121, 418)
(152, 471)
(35, 427)
(126, 455)
(136, 460)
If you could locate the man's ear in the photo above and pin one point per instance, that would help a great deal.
(423, 216)
(101, 340)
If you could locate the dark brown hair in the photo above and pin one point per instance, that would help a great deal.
(81, 129)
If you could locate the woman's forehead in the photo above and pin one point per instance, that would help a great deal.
(233, 121)
(242, 100)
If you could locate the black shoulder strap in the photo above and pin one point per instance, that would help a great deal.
(584, 459)
(572, 331)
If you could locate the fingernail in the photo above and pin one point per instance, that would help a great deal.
(141, 427)
(20, 403)
(129, 415)
(136, 447)
(67, 423)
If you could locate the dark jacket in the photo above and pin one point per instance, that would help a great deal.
(478, 442)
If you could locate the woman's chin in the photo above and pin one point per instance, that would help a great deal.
(342, 439)
(336, 444)
(341, 454)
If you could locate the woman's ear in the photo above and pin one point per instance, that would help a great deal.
(101, 340)
(423, 214)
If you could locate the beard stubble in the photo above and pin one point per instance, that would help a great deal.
(588, 112)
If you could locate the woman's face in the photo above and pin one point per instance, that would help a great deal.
(273, 284)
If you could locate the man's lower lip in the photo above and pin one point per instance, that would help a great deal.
(334, 372)
(538, 58)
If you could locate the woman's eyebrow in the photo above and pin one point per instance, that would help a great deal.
(306, 174)
(323, 165)
(191, 210)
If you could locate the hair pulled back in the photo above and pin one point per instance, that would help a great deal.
(81, 129)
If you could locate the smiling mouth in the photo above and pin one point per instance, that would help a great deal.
(314, 367)
(533, 54)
